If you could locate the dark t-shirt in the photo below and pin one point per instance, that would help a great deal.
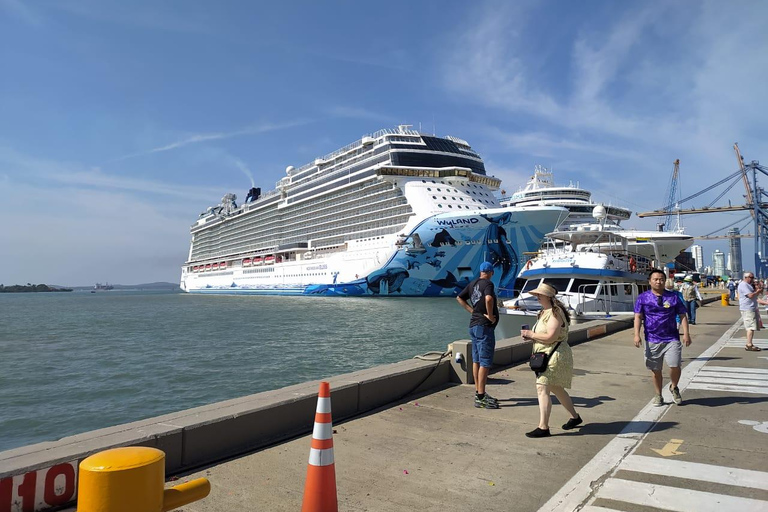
(474, 294)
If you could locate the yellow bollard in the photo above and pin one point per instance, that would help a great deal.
(132, 480)
(724, 299)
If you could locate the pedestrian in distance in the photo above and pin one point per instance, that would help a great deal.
(748, 307)
(669, 285)
(550, 335)
(479, 299)
(657, 309)
(732, 288)
(692, 298)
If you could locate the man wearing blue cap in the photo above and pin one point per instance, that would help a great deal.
(481, 295)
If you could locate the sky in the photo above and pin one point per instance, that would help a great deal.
(121, 121)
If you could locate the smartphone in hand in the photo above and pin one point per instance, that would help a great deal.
(525, 327)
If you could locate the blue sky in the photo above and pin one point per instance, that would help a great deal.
(121, 121)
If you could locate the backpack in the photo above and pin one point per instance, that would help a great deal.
(689, 293)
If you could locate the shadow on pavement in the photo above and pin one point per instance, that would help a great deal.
(499, 382)
(581, 402)
(617, 427)
(720, 358)
(720, 401)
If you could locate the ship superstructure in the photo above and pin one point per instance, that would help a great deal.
(397, 212)
(541, 189)
(660, 246)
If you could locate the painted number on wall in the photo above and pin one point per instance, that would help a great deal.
(39, 490)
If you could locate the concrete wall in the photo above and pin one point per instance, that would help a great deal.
(204, 435)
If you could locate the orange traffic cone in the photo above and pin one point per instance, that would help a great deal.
(320, 486)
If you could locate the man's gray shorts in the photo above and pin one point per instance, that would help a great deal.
(656, 354)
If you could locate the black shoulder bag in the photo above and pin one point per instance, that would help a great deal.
(540, 360)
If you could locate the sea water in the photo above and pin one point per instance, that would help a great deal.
(79, 361)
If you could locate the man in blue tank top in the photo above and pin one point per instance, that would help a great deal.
(657, 309)
(479, 299)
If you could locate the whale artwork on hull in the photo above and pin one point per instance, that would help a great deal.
(440, 257)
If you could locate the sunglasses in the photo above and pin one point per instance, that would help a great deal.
(660, 300)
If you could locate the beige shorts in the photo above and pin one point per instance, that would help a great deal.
(750, 321)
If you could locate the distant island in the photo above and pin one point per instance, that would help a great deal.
(144, 286)
(18, 288)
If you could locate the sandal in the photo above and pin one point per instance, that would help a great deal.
(752, 348)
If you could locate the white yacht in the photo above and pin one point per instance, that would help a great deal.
(395, 213)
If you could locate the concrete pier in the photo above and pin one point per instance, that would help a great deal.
(437, 452)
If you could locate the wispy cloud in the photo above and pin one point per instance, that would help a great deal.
(205, 137)
(20, 168)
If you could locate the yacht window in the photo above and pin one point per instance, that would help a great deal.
(559, 283)
(588, 286)
(531, 284)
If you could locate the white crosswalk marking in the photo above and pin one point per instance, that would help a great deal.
(703, 472)
(730, 369)
(742, 342)
(731, 380)
(680, 498)
(584, 488)
(675, 499)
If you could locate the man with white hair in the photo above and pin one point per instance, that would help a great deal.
(748, 306)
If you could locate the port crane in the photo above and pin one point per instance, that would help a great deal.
(723, 237)
(673, 201)
(756, 204)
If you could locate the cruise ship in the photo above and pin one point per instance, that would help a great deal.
(661, 247)
(396, 213)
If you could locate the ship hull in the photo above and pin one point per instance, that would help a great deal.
(437, 258)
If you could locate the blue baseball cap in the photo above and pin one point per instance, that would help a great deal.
(486, 267)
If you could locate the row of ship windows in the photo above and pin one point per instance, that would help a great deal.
(259, 270)
(375, 204)
(328, 180)
(210, 241)
(334, 236)
(473, 200)
(256, 227)
(338, 227)
(306, 275)
(466, 185)
(456, 191)
(459, 206)
(383, 231)
(366, 230)
(308, 227)
(277, 217)
(365, 188)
